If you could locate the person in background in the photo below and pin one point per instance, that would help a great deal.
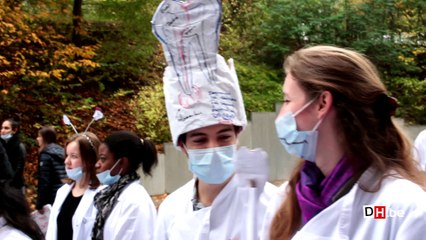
(125, 209)
(15, 219)
(51, 172)
(5, 168)
(420, 149)
(73, 213)
(15, 149)
(337, 117)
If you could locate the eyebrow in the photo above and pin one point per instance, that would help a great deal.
(196, 134)
(226, 130)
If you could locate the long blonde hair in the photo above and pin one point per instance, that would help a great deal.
(363, 112)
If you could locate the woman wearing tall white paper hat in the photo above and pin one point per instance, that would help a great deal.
(206, 114)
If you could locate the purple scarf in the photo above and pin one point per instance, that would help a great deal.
(315, 192)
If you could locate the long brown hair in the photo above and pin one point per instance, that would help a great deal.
(88, 143)
(363, 111)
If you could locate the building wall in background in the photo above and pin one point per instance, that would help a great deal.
(172, 170)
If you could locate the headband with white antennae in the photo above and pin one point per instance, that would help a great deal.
(96, 116)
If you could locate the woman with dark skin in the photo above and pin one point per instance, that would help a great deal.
(125, 210)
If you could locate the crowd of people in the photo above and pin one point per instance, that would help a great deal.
(93, 188)
(337, 118)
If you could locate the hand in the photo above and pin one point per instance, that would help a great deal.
(251, 168)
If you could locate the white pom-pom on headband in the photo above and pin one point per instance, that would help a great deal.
(97, 115)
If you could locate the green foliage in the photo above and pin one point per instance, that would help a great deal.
(128, 46)
(261, 87)
(150, 113)
(411, 94)
(43, 75)
(384, 30)
(240, 25)
(290, 25)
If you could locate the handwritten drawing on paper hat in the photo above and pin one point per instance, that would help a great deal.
(200, 87)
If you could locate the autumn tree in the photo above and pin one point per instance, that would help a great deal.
(39, 67)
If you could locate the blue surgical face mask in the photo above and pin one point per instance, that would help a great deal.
(106, 178)
(212, 165)
(6, 136)
(299, 143)
(75, 173)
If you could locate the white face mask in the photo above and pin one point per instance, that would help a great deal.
(299, 143)
(106, 178)
(6, 136)
(212, 165)
(75, 173)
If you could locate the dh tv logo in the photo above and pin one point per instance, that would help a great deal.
(381, 212)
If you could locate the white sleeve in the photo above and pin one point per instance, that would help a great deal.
(420, 149)
(136, 222)
(273, 206)
(412, 224)
(162, 223)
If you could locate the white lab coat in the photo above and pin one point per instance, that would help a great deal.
(222, 220)
(344, 219)
(84, 216)
(8, 232)
(133, 216)
(420, 149)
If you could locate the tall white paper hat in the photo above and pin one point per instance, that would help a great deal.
(200, 88)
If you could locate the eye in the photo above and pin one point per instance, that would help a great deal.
(286, 101)
(199, 140)
(226, 137)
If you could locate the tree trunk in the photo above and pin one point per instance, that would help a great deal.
(77, 17)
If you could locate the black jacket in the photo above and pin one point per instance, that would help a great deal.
(50, 174)
(16, 153)
(5, 168)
